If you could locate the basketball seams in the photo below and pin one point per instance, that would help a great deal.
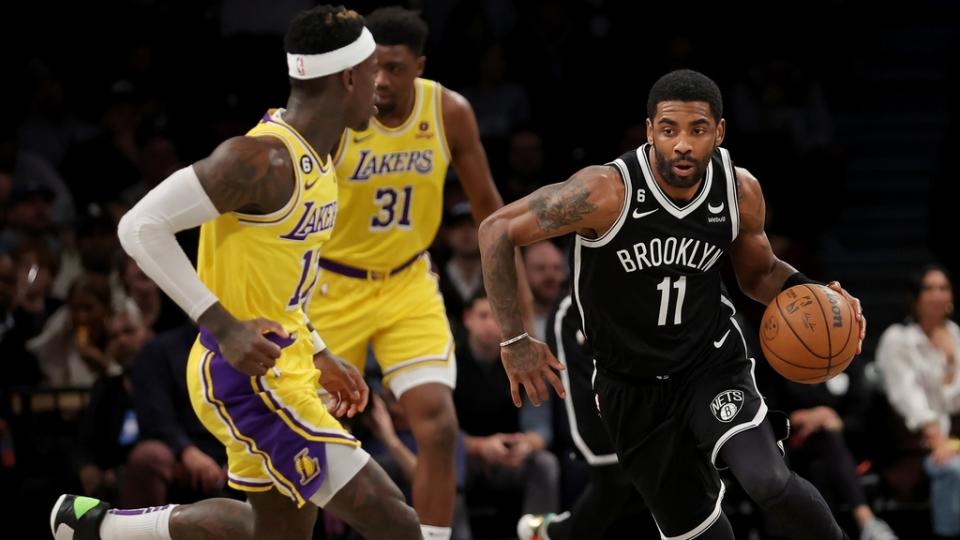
(787, 362)
(826, 327)
(790, 326)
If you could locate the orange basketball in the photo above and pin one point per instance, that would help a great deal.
(809, 333)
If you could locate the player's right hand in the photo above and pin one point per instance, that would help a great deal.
(246, 347)
(528, 362)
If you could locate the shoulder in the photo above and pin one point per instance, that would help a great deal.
(895, 334)
(248, 159)
(747, 184)
(455, 107)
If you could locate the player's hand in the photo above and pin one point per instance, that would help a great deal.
(857, 311)
(252, 347)
(344, 383)
(528, 362)
(205, 473)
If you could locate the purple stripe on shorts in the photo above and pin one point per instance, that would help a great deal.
(299, 424)
(250, 483)
(303, 463)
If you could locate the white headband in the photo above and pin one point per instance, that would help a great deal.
(312, 66)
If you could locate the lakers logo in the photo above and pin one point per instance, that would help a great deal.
(307, 466)
(726, 405)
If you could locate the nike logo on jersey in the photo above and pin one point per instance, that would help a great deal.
(719, 342)
(715, 209)
(357, 139)
(637, 214)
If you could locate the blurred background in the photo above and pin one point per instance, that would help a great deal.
(846, 112)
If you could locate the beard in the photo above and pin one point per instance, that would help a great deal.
(665, 168)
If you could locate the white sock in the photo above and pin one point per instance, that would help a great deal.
(433, 533)
(151, 523)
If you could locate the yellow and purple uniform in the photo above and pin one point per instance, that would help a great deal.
(376, 287)
(275, 427)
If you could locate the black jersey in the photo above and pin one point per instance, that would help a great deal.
(649, 290)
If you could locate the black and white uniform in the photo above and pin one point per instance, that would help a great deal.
(673, 381)
(566, 340)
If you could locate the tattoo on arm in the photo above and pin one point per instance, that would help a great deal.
(562, 204)
(241, 175)
(500, 276)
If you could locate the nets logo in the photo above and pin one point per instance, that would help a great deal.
(726, 405)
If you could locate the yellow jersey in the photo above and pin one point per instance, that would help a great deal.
(266, 265)
(391, 188)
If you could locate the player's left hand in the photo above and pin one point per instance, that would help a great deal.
(345, 384)
(528, 362)
(857, 311)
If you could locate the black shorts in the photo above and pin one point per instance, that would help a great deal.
(586, 428)
(668, 431)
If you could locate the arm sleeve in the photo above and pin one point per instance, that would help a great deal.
(147, 234)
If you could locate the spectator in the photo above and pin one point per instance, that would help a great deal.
(176, 459)
(462, 275)
(547, 274)
(71, 348)
(919, 361)
(30, 169)
(506, 447)
(109, 426)
(159, 313)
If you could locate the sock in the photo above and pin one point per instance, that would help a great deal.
(433, 533)
(151, 523)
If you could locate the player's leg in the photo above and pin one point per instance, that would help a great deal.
(791, 501)
(373, 505)
(661, 458)
(415, 350)
(728, 417)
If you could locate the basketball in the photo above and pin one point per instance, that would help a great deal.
(809, 333)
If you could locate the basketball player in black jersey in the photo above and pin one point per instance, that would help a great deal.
(673, 382)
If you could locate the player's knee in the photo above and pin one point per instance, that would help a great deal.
(153, 455)
(764, 485)
(433, 418)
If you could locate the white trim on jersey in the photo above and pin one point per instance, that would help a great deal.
(732, 202)
(761, 411)
(662, 198)
(576, 281)
(704, 525)
(606, 237)
(726, 301)
(592, 459)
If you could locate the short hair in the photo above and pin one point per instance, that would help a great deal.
(322, 29)
(395, 25)
(685, 85)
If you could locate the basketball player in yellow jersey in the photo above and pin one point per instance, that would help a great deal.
(265, 203)
(375, 287)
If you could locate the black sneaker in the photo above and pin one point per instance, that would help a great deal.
(77, 518)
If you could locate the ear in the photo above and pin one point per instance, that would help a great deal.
(721, 131)
(649, 131)
(347, 77)
(421, 64)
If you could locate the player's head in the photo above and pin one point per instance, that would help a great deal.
(330, 49)
(401, 36)
(684, 124)
(932, 294)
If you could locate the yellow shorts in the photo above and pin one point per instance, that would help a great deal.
(275, 427)
(402, 317)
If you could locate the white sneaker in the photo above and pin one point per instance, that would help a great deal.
(530, 526)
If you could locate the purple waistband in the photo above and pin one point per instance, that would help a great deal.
(360, 273)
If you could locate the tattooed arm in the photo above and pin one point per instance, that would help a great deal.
(588, 204)
(252, 175)
(760, 273)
